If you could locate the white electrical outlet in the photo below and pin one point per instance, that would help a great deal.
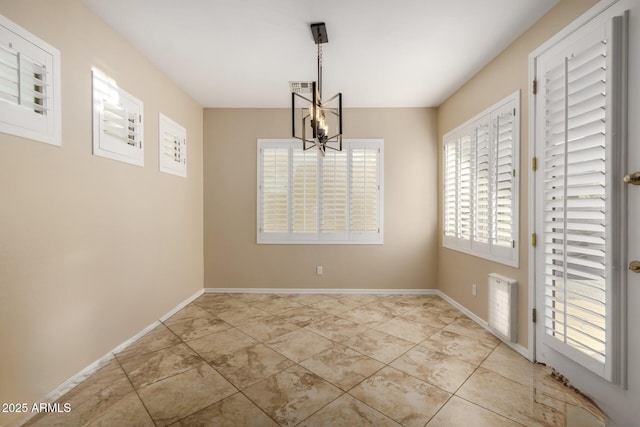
(319, 270)
(474, 290)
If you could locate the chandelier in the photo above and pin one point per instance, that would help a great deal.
(317, 118)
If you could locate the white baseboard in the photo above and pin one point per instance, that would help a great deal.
(515, 346)
(76, 379)
(331, 291)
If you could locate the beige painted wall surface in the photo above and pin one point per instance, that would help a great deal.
(407, 259)
(506, 74)
(91, 250)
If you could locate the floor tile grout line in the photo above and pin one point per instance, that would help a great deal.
(469, 378)
(342, 393)
(136, 392)
(490, 410)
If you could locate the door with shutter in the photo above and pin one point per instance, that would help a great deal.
(579, 201)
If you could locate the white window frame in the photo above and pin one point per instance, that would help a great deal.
(18, 118)
(471, 244)
(321, 238)
(107, 96)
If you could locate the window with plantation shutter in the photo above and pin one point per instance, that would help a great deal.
(117, 122)
(579, 85)
(172, 146)
(335, 198)
(29, 85)
(480, 201)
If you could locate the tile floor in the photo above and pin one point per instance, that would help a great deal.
(320, 360)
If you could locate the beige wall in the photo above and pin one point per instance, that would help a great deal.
(504, 75)
(406, 260)
(91, 250)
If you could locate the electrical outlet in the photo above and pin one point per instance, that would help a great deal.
(474, 290)
(319, 270)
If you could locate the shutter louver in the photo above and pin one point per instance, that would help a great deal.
(173, 147)
(275, 190)
(305, 197)
(334, 191)
(120, 123)
(575, 201)
(364, 190)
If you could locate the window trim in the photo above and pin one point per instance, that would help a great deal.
(349, 238)
(488, 251)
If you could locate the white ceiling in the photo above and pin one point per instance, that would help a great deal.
(381, 53)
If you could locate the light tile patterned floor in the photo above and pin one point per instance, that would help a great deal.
(320, 360)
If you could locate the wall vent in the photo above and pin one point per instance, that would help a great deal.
(503, 306)
(301, 87)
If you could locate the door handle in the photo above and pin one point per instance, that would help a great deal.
(632, 178)
(634, 266)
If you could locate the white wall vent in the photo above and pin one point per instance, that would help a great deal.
(503, 306)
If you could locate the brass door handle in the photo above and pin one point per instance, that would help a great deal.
(634, 266)
(632, 178)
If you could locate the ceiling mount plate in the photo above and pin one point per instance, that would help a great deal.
(319, 32)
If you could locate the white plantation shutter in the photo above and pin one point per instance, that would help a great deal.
(305, 191)
(172, 146)
(335, 194)
(274, 203)
(578, 87)
(29, 85)
(23, 80)
(503, 179)
(465, 185)
(117, 122)
(450, 188)
(307, 198)
(364, 191)
(480, 184)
